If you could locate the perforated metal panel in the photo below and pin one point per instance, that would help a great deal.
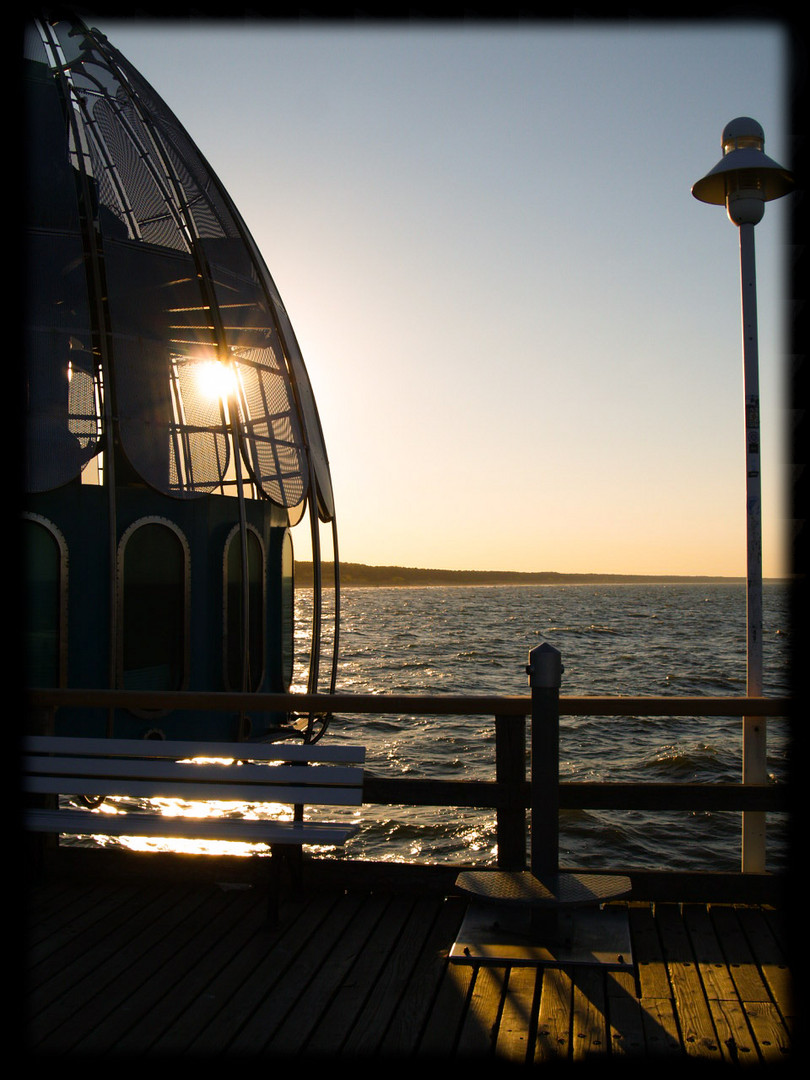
(142, 275)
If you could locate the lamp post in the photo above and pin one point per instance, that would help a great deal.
(743, 181)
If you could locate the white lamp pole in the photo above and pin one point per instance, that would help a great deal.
(743, 181)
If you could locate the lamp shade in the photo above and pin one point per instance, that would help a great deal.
(744, 166)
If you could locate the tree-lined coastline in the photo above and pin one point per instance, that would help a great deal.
(360, 574)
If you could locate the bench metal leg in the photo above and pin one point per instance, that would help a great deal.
(290, 855)
(273, 890)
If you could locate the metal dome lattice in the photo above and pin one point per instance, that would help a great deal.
(142, 279)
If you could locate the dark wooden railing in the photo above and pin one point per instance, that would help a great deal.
(510, 794)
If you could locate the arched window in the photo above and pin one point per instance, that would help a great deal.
(153, 599)
(234, 599)
(45, 577)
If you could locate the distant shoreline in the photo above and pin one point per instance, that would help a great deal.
(361, 575)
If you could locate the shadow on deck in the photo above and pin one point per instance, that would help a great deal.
(172, 957)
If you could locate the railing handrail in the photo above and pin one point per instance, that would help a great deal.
(511, 793)
(426, 704)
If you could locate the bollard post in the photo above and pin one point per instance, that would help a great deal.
(545, 675)
(523, 915)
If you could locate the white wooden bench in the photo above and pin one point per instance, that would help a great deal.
(249, 773)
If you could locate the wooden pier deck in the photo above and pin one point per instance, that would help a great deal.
(124, 965)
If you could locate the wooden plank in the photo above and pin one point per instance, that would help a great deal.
(589, 1032)
(765, 944)
(359, 986)
(748, 980)
(50, 774)
(778, 926)
(338, 956)
(734, 1034)
(108, 1012)
(76, 943)
(257, 831)
(652, 971)
(114, 971)
(260, 984)
(121, 967)
(478, 1030)
(768, 1026)
(656, 1002)
(47, 910)
(177, 986)
(671, 795)
(477, 1036)
(515, 1038)
(155, 995)
(75, 970)
(385, 1001)
(76, 905)
(771, 1035)
(694, 1016)
(611, 795)
(626, 1028)
(409, 1019)
(553, 1038)
(717, 981)
(228, 987)
(409, 704)
(157, 789)
(439, 1037)
(181, 750)
(172, 1021)
(661, 1033)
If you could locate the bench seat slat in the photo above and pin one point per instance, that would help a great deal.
(84, 822)
(166, 789)
(180, 749)
(325, 775)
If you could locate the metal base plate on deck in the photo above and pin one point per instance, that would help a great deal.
(515, 918)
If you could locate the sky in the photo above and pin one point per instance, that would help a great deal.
(522, 331)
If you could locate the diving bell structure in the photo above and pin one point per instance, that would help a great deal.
(172, 438)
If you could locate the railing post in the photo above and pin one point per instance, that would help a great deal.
(545, 674)
(510, 773)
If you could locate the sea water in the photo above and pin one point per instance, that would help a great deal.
(685, 640)
(631, 640)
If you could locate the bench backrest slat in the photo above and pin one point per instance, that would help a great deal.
(63, 765)
(179, 772)
(177, 749)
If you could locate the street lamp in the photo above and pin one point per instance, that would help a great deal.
(743, 181)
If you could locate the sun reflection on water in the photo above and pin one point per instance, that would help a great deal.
(191, 809)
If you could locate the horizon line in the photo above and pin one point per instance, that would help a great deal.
(377, 569)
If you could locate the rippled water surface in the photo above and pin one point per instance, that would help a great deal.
(681, 640)
(631, 640)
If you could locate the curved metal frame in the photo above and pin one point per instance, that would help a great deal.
(161, 128)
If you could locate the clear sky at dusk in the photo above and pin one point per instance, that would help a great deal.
(522, 330)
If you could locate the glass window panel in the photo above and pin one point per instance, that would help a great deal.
(234, 613)
(44, 572)
(154, 617)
